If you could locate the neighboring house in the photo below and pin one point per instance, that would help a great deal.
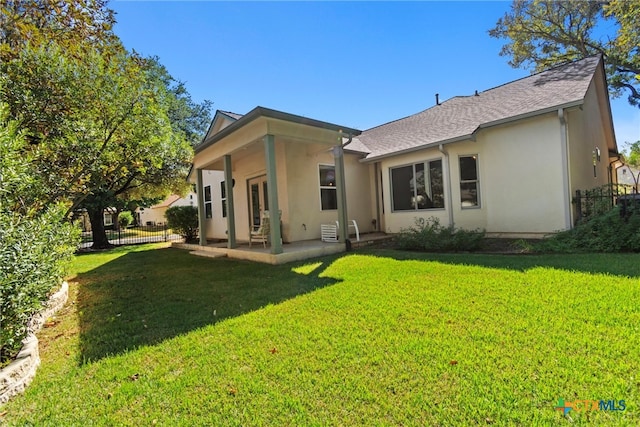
(628, 176)
(507, 160)
(154, 215)
(81, 217)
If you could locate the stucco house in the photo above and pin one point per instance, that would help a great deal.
(507, 160)
(628, 176)
(154, 215)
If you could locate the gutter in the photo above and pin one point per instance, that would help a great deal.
(470, 137)
(611, 168)
(532, 114)
(445, 153)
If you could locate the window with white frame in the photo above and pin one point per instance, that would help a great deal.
(208, 205)
(328, 192)
(109, 218)
(469, 182)
(417, 187)
(223, 197)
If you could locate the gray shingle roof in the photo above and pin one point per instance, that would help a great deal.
(461, 116)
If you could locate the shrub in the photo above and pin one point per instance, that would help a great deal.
(430, 236)
(35, 244)
(184, 221)
(598, 201)
(125, 218)
(608, 232)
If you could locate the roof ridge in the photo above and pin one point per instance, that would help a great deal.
(226, 113)
(555, 67)
(547, 70)
(419, 112)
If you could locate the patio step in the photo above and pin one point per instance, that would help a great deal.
(208, 254)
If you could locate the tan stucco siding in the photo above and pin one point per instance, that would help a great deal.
(152, 216)
(522, 173)
(305, 212)
(211, 156)
(244, 169)
(156, 215)
(360, 203)
(298, 190)
(520, 180)
(473, 217)
(586, 133)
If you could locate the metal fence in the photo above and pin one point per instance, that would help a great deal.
(135, 235)
(597, 201)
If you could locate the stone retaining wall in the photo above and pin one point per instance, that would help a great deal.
(17, 376)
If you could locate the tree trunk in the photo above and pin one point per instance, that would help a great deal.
(96, 216)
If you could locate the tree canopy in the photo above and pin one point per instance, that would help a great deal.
(105, 125)
(71, 25)
(544, 33)
(632, 155)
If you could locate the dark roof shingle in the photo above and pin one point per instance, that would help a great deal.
(461, 116)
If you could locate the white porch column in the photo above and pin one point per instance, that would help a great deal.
(202, 224)
(231, 218)
(338, 155)
(272, 190)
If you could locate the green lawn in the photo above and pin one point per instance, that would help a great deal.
(157, 336)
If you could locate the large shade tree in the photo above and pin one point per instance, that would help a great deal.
(544, 33)
(73, 25)
(105, 124)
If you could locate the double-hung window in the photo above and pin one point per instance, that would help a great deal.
(418, 186)
(469, 182)
(208, 207)
(328, 192)
(223, 199)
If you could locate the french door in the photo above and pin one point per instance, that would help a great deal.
(258, 200)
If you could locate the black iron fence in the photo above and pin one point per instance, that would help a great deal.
(135, 235)
(597, 201)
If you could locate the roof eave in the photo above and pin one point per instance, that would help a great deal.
(273, 114)
(531, 114)
(469, 137)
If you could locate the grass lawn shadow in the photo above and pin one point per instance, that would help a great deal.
(146, 296)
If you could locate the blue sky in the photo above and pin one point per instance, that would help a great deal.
(356, 64)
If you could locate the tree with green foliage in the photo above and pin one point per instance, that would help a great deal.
(186, 116)
(632, 155)
(108, 135)
(73, 25)
(544, 33)
(105, 125)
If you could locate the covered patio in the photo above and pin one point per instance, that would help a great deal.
(270, 162)
(295, 251)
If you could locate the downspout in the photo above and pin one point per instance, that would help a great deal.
(447, 174)
(349, 141)
(376, 173)
(564, 148)
(612, 169)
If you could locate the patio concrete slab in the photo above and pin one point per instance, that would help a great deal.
(295, 251)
